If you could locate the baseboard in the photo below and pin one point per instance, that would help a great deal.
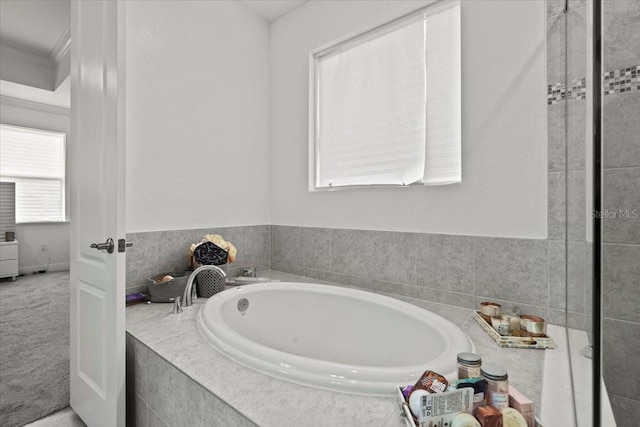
(59, 266)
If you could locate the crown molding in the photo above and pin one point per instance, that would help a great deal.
(30, 105)
(14, 52)
(62, 47)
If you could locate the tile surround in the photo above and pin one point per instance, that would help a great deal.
(613, 82)
(620, 38)
(557, 92)
(621, 205)
(446, 263)
(352, 254)
(576, 111)
(512, 270)
(159, 252)
(556, 134)
(621, 130)
(623, 80)
(621, 231)
(449, 269)
(154, 419)
(620, 280)
(285, 247)
(627, 410)
(555, 52)
(556, 205)
(394, 256)
(560, 270)
(621, 353)
(315, 248)
(173, 398)
(277, 401)
(567, 211)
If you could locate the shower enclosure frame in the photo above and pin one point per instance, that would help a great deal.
(596, 105)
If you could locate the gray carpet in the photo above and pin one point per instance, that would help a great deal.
(34, 347)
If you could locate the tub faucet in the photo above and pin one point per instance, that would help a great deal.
(177, 307)
(190, 290)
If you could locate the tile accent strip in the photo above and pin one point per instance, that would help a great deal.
(615, 81)
(623, 80)
(556, 92)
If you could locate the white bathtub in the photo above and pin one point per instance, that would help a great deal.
(331, 337)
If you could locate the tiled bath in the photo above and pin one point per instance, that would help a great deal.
(174, 377)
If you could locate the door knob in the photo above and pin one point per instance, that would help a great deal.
(108, 246)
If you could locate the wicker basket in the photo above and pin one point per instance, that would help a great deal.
(210, 282)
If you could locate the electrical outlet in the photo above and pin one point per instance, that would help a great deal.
(45, 248)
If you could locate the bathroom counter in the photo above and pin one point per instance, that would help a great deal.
(268, 401)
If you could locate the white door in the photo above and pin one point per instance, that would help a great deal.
(97, 212)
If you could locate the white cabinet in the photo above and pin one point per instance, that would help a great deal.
(9, 259)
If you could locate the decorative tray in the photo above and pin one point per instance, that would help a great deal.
(542, 342)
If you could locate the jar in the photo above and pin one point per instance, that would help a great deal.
(497, 386)
(468, 365)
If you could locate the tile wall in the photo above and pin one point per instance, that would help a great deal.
(450, 269)
(159, 395)
(621, 204)
(621, 182)
(566, 167)
(159, 252)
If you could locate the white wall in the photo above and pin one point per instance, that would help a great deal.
(32, 236)
(197, 131)
(504, 187)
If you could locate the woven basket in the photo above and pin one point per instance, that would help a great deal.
(210, 282)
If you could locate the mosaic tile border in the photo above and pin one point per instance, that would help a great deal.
(623, 80)
(557, 93)
(615, 81)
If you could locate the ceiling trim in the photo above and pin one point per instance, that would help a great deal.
(8, 50)
(62, 47)
(30, 105)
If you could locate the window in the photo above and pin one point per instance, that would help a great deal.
(35, 160)
(385, 104)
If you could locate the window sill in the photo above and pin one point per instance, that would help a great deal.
(43, 222)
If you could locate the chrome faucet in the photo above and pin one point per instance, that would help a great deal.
(190, 290)
(177, 307)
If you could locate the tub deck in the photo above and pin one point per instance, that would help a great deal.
(267, 401)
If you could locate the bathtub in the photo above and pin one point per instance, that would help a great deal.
(331, 337)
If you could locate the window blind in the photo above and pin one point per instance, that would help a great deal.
(387, 105)
(35, 161)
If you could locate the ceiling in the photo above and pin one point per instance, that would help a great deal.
(40, 29)
(37, 31)
(271, 10)
(34, 26)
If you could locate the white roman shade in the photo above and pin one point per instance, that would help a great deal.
(386, 104)
(35, 161)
